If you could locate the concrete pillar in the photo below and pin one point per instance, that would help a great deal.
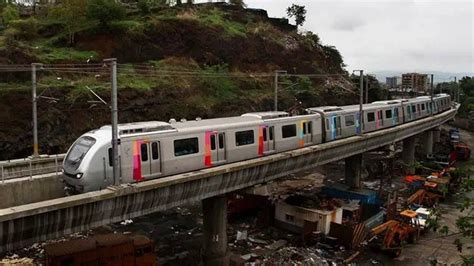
(215, 231)
(427, 142)
(436, 135)
(408, 154)
(353, 170)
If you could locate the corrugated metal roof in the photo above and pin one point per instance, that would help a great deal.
(70, 247)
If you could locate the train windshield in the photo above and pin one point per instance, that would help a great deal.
(77, 153)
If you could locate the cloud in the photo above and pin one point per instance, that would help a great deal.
(347, 24)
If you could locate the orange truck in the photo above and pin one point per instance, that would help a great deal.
(392, 234)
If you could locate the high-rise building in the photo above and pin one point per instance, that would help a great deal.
(415, 82)
(393, 82)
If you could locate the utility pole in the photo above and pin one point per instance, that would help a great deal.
(457, 88)
(367, 89)
(35, 109)
(361, 100)
(112, 62)
(275, 93)
(432, 102)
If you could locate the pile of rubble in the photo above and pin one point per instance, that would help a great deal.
(298, 256)
(16, 260)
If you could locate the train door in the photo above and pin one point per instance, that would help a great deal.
(268, 138)
(217, 141)
(334, 127)
(379, 118)
(308, 132)
(150, 158)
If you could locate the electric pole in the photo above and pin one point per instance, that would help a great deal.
(361, 100)
(275, 93)
(112, 63)
(34, 99)
(367, 89)
(432, 102)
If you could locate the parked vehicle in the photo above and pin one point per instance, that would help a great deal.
(392, 235)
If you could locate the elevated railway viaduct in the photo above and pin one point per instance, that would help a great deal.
(26, 224)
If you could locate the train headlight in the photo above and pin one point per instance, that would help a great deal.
(79, 175)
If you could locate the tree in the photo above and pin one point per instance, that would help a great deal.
(467, 85)
(10, 13)
(72, 14)
(298, 12)
(104, 11)
(239, 3)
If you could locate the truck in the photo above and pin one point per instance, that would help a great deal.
(392, 235)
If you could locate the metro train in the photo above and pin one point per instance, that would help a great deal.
(155, 149)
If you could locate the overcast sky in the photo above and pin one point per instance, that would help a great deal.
(401, 35)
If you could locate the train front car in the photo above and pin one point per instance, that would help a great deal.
(83, 164)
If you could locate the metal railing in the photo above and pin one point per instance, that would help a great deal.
(29, 167)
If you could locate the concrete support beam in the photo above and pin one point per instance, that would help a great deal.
(436, 135)
(408, 154)
(353, 170)
(215, 231)
(427, 142)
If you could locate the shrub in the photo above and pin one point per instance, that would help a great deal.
(9, 14)
(25, 29)
(104, 11)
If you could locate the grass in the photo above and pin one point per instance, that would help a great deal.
(215, 17)
(50, 55)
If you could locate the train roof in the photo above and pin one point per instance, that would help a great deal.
(199, 123)
(267, 115)
(388, 102)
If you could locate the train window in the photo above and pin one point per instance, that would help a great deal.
(271, 133)
(388, 113)
(350, 121)
(244, 138)
(304, 128)
(422, 106)
(396, 114)
(310, 127)
(380, 116)
(413, 109)
(186, 146)
(144, 152)
(371, 117)
(111, 157)
(221, 140)
(213, 142)
(154, 150)
(288, 131)
(408, 110)
(265, 134)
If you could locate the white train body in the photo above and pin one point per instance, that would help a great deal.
(154, 149)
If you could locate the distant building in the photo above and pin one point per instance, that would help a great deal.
(415, 82)
(393, 82)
